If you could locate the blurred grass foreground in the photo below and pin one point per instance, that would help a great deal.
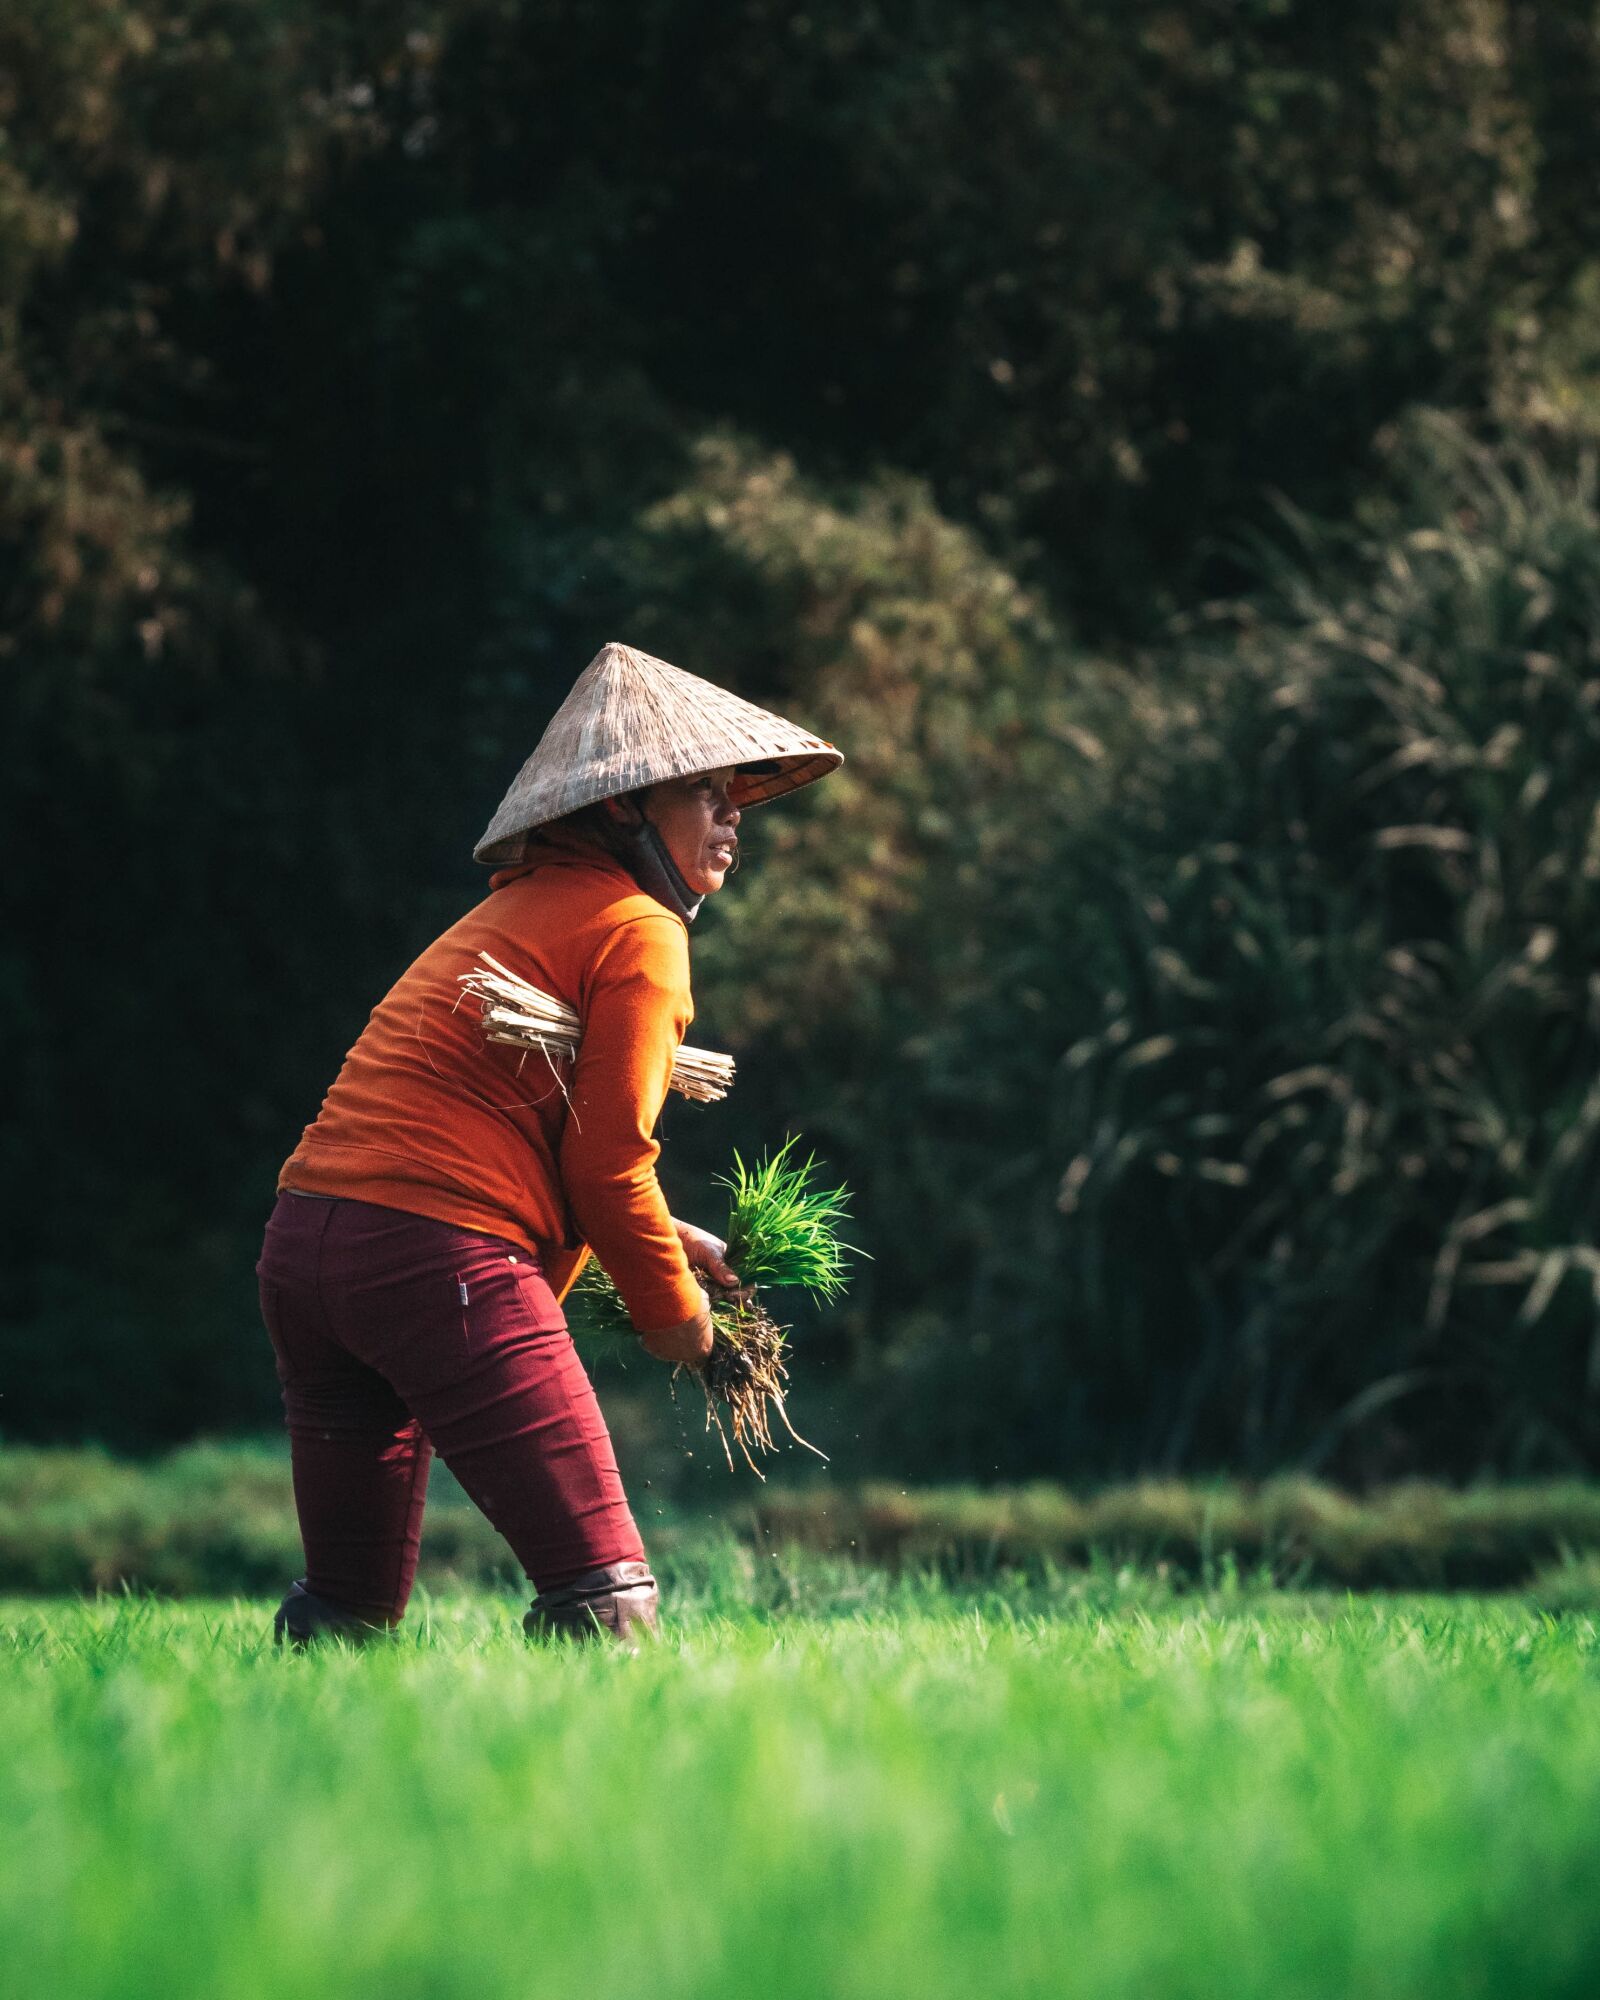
(218, 1519)
(914, 1798)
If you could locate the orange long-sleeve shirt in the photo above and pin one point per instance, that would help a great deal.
(429, 1117)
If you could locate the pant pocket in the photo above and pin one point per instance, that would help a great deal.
(536, 1299)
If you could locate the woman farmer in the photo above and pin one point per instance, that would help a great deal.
(440, 1206)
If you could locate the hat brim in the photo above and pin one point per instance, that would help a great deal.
(775, 777)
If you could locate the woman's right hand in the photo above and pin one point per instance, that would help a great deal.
(689, 1341)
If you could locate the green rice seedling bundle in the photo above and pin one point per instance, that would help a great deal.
(783, 1234)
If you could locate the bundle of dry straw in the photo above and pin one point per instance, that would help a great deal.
(525, 1017)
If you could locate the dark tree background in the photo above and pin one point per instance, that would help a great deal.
(1153, 440)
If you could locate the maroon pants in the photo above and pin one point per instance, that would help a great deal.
(395, 1336)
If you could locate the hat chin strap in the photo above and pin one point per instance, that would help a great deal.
(644, 853)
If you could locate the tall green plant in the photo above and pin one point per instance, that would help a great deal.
(1329, 1152)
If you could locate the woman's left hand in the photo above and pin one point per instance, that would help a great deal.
(708, 1259)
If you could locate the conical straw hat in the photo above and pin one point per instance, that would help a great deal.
(632, 720)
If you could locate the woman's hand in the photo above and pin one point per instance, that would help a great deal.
(708, 1259)
(689, 1341)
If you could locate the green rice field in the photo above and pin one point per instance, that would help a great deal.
(824, 1781)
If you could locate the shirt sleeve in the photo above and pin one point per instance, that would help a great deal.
(635, 1011)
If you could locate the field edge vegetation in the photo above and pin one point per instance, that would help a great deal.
(218, 1518)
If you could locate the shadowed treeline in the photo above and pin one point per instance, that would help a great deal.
(1152, 442)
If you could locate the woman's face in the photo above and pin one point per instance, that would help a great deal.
(696, 820)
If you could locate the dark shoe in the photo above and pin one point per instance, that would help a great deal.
(302, 1617)
(620, 1600)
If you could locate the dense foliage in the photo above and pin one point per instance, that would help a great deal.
(1189, 972)
(1252, 1047)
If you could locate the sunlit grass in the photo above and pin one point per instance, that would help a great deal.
(823, 1782)
(784, 1228)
